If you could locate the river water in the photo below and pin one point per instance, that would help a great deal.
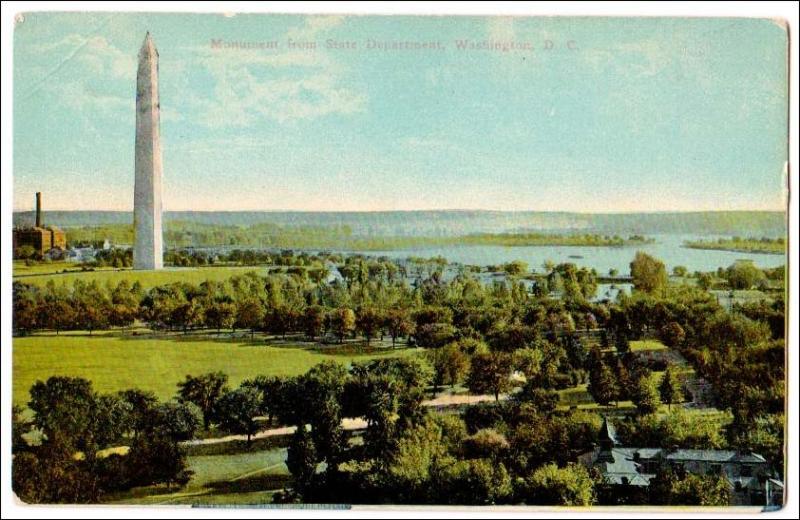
(667, 248)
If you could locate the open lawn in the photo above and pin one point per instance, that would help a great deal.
(249, 477)
(113, 361)
(579, 396)
(42, 273)
(646, 344)
(44, 268)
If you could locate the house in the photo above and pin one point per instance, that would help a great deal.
(80, 254)
(627, 472)
(334, 276)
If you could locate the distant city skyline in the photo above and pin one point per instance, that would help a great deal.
(402, 113)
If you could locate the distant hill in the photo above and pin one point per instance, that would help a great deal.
(452, 222)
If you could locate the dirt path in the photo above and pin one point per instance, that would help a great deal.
(347, 424)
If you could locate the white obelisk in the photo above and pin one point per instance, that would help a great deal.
(148, 248)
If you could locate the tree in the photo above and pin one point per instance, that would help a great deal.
(472, 482)
(672, 334)
(680, 271)
(92, 306)
(380, 410)
(704, 281)
(301, 459)
(669, 488)
(398, 323)
(249, 315)
(157, 458)
(490, 373)
(73, 419)
(575, 283)
(602, 384)
(764, 435)
(313, 321)
(188, 314)
(237, 411)
(141, 405)
(368, 322)
(50, 475)
(450, 364)
(65, 410)
(645, 395)
(25, 252)
(543, 401)
(702, 490)
(220, 315)
(513, 337)
(174, 420)
(158, 306)
(409, 469)
(279, 320)
(25, 308)
(57, 313)
(624, 380)
(388, 393)
(515, 268)
(434, 335)
(567, 486)
(433, 314)
(660, 487)
(19, 427)
(486, 443)
(621, 342)
(670, 388)
(343, 322)
(529, 361)
(204, 391)
(649, 274)
(123, 314)
(272, 395)
(743, 275)
(321, 392)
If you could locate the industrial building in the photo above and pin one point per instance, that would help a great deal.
(41, 238)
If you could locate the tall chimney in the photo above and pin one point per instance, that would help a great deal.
(38, 209)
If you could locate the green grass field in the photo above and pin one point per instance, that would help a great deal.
(647, 344)
(250, 477)
(579, 395)
(42, 273)
(44, 268)
(113, 361)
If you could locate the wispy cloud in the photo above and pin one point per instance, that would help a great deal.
(244, 86)
(252, 84)
(96, 69)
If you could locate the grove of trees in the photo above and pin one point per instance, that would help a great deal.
(493, 338)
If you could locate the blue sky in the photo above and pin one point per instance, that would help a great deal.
(639, 115)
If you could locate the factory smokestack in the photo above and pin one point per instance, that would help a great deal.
(38, 209)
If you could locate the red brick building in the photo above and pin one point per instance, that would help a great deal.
(42, 239)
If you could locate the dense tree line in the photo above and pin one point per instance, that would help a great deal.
(498, 338)
(71, 426)
(373, 299)
(519, 451)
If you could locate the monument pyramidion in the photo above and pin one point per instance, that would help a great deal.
(148, 247)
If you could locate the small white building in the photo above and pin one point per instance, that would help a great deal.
(334, 276)
(80, 255)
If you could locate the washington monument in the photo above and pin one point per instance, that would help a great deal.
(148, 248)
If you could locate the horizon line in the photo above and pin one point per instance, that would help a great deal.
(439, 210)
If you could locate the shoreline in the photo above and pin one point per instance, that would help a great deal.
(712, 247)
